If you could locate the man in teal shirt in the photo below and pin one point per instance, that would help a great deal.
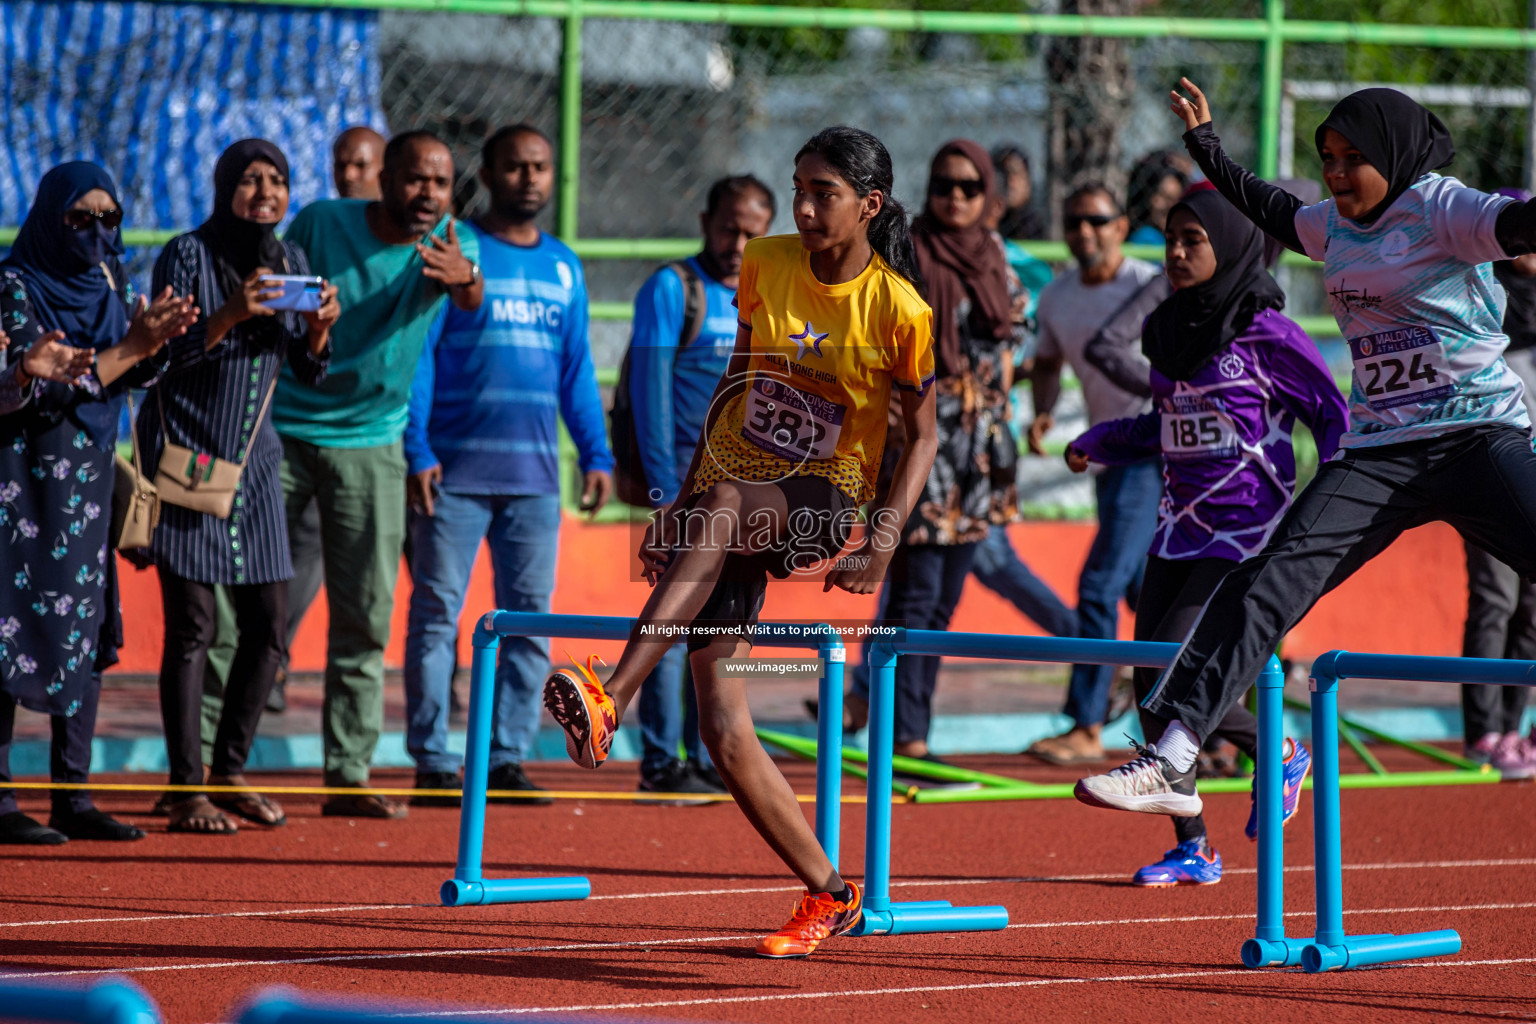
(394, 262)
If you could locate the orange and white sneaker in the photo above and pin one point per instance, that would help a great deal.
(817, 918)
(578, 702)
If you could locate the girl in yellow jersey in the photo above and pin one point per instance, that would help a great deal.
(831, 329)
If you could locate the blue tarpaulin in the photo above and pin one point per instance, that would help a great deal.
(155, 91)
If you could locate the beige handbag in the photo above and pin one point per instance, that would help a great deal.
(202, 482)
(135, 502)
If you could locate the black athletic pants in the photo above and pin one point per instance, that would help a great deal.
(261, 614)
(1482, 481)
(69, 755)
(1501, 623)
(1172, 595)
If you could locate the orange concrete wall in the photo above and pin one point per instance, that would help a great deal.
(1411, 600)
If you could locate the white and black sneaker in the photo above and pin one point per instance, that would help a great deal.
(1148, 784)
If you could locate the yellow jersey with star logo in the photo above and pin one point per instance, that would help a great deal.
(823, 361)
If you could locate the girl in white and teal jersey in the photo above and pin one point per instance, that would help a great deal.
(1437, 428)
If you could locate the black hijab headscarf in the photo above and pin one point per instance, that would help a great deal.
(1193, 324)
(1399, 137)
(239, 246)
(70, 275)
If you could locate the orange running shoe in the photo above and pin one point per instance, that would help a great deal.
(816, 919)
(578, 702)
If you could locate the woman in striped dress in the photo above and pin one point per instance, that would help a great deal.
(212, 399)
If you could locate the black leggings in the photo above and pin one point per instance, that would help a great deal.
(1172, 595)
(1482, 481)
(261, 613)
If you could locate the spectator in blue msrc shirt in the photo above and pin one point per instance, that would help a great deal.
(482, 446)
(671, 385)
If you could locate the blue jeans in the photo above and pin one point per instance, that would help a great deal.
(669, 714)
(922, 588)
(522, 531)
(1128, 497)
(999, 568)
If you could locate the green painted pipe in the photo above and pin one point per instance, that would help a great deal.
(906, 765)
(570, 123)
(1422, 749)
(1062, 791)
(1348, 736)
(968, 22)
(803, 748)
(1273, 80)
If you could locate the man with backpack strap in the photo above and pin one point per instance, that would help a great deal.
(684, 333)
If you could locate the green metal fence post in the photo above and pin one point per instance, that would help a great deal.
(1269, 97)
(570, 123)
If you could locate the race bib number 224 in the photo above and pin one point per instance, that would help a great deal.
(1401, 367)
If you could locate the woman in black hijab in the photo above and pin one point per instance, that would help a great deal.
(1230, 378)
(213, 400)
(1437, 426)
(78, 338)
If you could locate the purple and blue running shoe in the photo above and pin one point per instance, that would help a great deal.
(1296, 763)
(1185, 864)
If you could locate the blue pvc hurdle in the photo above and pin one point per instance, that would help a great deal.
(113, 1001)
(1332, 948)
(881, 916)
(469, 886)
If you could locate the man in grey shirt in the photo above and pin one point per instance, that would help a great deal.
(1071, 311)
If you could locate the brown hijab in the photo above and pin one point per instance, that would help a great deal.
(962, 264)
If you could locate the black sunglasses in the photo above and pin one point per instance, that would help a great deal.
(969, 187)
(79, 220)
(1073, 221)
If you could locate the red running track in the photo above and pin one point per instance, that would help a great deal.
(680, 895)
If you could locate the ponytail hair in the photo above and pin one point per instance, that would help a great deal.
(863, 162)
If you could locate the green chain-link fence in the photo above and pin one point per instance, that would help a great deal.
(649, 102)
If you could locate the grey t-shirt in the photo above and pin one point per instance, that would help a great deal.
(1070, 313)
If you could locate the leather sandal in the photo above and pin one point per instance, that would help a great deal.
(253, 807)
(198, 815)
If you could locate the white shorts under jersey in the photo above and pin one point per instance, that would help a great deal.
(1415, 295)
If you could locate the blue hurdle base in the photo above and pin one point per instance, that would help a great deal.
(459, 892)
(1366, 950)
(931, 916)
(1283, 952)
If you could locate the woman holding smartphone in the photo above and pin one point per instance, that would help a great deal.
(212, 400)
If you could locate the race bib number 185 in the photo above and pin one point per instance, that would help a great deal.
(1198, 432)
(791, 423)
(1401, 367)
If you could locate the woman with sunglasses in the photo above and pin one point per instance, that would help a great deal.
(79, 338)
(1230, 377)
(971, 485)
(1437, 426)
(212, 399)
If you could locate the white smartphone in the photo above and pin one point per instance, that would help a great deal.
(300, 294)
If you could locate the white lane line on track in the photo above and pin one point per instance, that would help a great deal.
(1289, 913)
(355, 957)
(678, 893)
(345, 958)
(228, 913)
(920, 989)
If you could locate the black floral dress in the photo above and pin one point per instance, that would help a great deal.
(58, 614)
(972, 484)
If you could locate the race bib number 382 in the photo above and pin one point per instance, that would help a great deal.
(1401, 367)
(791, 423)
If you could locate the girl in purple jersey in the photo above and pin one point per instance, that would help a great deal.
(1437, 427)
(1230, 378)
